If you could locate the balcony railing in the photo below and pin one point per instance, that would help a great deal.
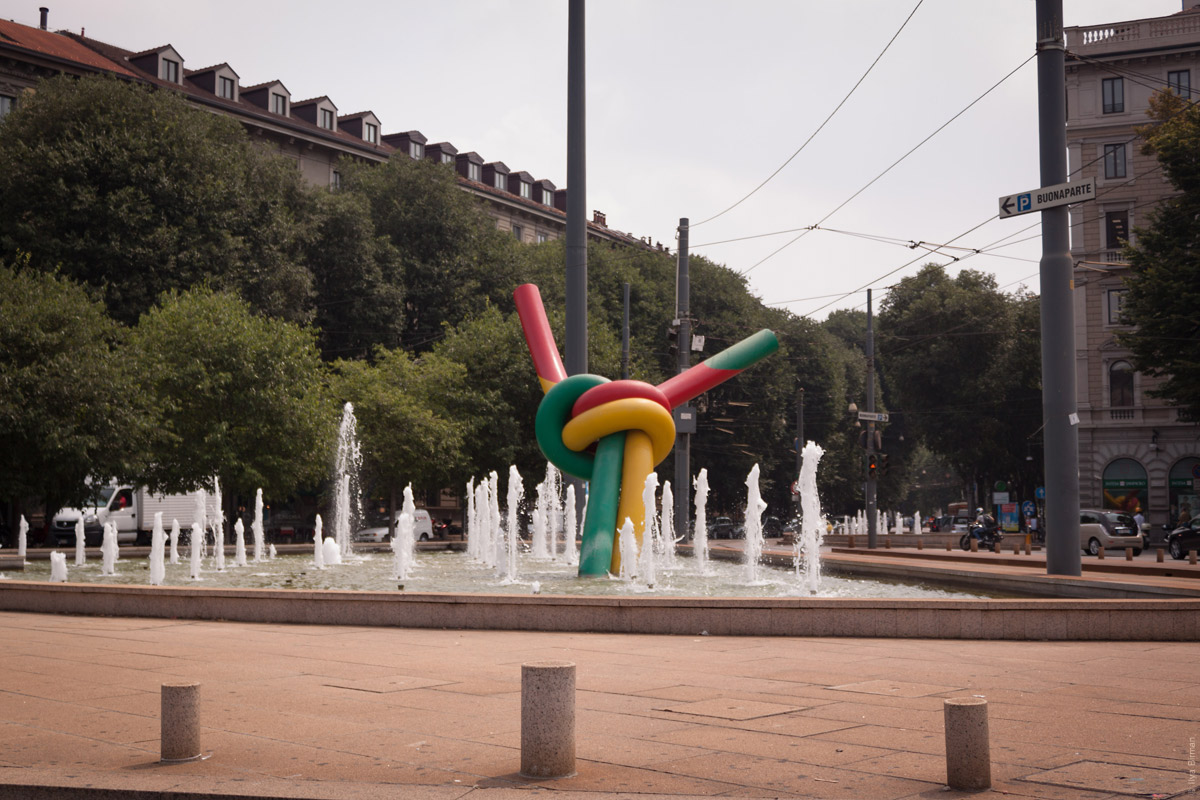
(1135, 34)
(1120, 413)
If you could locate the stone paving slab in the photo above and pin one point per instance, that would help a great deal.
(304, 711)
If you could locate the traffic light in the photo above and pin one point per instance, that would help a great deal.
(872, 465)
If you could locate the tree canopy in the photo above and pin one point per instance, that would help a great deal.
(1164, 279)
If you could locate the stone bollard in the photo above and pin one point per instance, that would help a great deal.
(1158, 554)
(1192, 557)
(548, 719)
(974, 545)
(1129, 554)
(850, 542)
(920, 544)
(949, 546)
(1027, 550)
(887, 542)
(1016, 548)
(968, 747)
(180, 722)
(1100, 554)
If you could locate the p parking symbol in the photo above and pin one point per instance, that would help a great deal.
(1024, 202)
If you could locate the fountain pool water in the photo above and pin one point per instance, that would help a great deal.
(444, 571)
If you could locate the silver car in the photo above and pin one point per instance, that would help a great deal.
(1111, 530)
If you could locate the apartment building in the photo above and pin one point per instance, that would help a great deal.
(1134, 450)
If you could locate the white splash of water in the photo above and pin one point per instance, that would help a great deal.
(700, 535)
(58, 567)
(174, 541)
(158, 566)
(754, 532)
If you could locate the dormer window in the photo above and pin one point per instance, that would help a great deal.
(447, 158)
(279, 104)
(499, 180)
(326, 119)
(526, 190)
(371, 133)
(416, 150)
(170, 71)
(475, 172)
(225, 87)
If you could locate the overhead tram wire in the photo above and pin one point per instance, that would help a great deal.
(820, 127)
(894, 164)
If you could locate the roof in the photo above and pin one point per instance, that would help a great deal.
(213, 68)
(264, 85)
(57, 46)
(312, 100)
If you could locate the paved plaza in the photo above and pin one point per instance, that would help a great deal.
(307, 711)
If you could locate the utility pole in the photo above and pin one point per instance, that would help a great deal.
(576, 341)
(1059, 409)
(683, 439)
(576, 248)
(872, 521)
(625, 334)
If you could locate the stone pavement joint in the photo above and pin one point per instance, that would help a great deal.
(325, 711)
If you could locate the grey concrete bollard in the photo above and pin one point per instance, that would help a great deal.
(1158, 554)
(948, 547)
(1100, 554)
(968, 746)
(548, 719)
(974, 545)
(1129, 554)
(180, 721)
(920, 544)
(850, 542)
(1192, 557)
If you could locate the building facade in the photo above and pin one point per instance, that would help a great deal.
(312, 132)
(1135, 451)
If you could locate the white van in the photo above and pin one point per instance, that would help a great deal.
(422, 528)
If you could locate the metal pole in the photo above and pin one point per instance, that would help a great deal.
(576, 339)
(1058, 318)
(683, 441)
(577, 332)
(625, 334)
(872, 522)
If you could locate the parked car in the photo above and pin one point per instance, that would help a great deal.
(961, 524)
(422, 528)
(1184, 539)
(723, 528)
(130, 508)
(1107, 529)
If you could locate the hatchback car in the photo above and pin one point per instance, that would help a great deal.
(1184, 539)
(1108, 529)
(378, 532)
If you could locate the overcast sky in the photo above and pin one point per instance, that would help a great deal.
(691, 105)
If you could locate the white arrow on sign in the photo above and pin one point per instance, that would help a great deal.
(871, 416)
(1061, 194)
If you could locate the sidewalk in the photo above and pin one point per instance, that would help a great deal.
(345, 712)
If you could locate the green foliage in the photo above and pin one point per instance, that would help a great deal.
(1164, 280)
(133, 192)
(961, 362)
(238, 395)
(69, 406)
(408, 434)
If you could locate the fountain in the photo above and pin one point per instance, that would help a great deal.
(80, 555)
(402, 542)
(753, 527)
(318, 544)
(256, 527)
(174, 541)
(570, 554)
(666, 528)
(22, 534)
(700, 535)
(806, 556)
(158, 568)
(58, 567)
(647, 566)
(347, 502)
(239, 546)
(515, 493)
(109, 549)
(196, 550)
(218, 528)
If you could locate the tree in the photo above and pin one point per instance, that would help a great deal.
(405, 430)
(1164, 276)
(239, 395)
(69, 407)
(133, 192)
(961, 361)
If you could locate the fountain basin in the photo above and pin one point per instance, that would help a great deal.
(967, 618)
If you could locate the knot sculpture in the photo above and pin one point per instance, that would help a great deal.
(614, 433)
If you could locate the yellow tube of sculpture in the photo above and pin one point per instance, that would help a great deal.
(639, 462)
(630, 413)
